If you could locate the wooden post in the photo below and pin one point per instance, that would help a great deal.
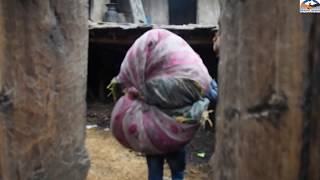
(43, 70)
(269, 92)
(312, 131)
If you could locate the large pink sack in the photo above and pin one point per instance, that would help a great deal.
(142, 127)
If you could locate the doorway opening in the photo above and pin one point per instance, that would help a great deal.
(182, 12)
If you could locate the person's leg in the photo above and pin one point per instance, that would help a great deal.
(177, 164)
(155, 167)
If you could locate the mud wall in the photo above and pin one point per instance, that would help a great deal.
(97, 9)
(157, 11)
(208, 12)
(43, 70)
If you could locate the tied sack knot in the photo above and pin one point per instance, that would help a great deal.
(133, 93)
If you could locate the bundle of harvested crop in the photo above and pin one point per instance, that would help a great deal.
(164, 81)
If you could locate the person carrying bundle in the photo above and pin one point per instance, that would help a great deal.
(166, 95)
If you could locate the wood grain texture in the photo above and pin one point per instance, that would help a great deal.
(264, 130)
(43, 67)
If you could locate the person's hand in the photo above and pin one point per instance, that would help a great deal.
(216, 44)
(212, 93)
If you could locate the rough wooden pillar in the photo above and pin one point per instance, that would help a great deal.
(269, 96)
(43, 68)
(312, 136)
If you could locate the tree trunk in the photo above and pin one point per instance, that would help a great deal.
(269, 92)
(43, 68)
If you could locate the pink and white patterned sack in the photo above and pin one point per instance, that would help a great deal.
(143, 127)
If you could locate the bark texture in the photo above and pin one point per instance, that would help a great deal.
(269, 92)
(43, 68)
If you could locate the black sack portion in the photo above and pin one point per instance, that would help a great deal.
(171, 93)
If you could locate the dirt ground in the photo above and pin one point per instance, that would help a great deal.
(111, 161)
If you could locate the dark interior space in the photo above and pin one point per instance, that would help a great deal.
(104, 64)
(105, 61)
(182, 12)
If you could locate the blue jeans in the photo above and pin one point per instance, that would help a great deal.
(176, 161)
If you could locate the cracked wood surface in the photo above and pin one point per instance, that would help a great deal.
(43, 69)
(267, 122)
